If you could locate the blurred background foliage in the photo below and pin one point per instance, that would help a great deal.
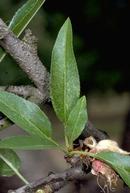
(101, 44)
(101, 41)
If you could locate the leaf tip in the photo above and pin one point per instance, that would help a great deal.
(83, 99)
(68, 22)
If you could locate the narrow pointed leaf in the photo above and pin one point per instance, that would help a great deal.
(65, 85)
(24, 15)
(12, 158)
(22, 18)
(120, 163)
(76, 120)
(25, 114)
(26, 143)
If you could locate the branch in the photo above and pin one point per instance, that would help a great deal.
(54, 182)
(25, 54)
(28, 92)
(90, 130)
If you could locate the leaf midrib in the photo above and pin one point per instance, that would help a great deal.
(65, 77)
(42, 134)
(65, 72)
(29, 147)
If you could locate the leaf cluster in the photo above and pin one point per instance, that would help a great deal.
(68, 105)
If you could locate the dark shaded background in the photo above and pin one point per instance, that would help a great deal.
(101, 31)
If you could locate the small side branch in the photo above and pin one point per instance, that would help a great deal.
(54, 182)
(28, 92)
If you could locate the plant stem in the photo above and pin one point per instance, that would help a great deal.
(81, 153)
(14, 169)
(66, 141)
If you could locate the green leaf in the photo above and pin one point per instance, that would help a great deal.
(25, 114)
(76, 120)
(65, 85)
(13, 159)
(24, 15)
(22, 18)
(26, 143)
(120, 163)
